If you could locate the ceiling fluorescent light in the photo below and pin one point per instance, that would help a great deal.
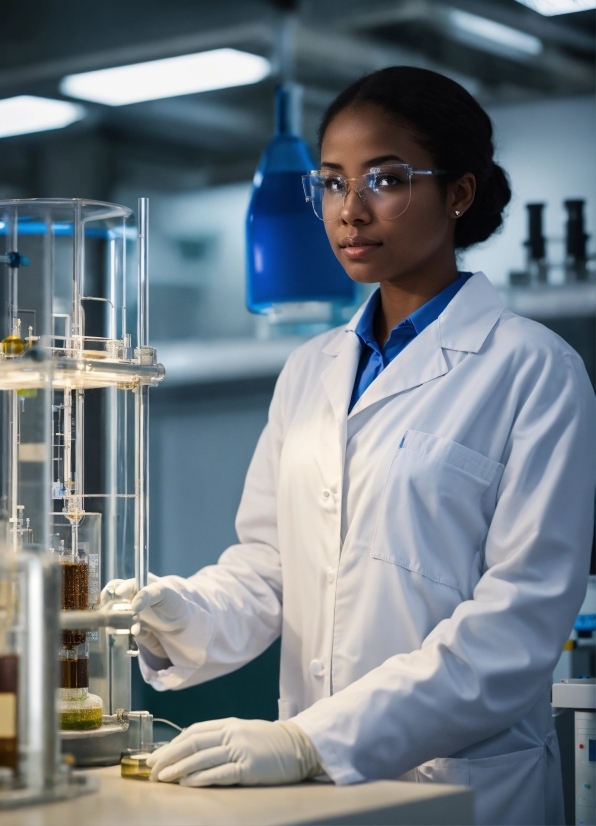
(25, 114)
(170, 77)
(495, 33)
(549, 8)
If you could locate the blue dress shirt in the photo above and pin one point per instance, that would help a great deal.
(374, 359)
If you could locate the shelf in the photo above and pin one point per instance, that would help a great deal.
(205, 362)
(552, 301)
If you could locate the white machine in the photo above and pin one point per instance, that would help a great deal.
(580, 695)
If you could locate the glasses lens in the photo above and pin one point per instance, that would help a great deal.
(326, 194)
(388, 192)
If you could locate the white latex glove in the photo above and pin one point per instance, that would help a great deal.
(160, 607)
(233, 751)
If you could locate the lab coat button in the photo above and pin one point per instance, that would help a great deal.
(330, 575)
(326, 494)
(317, 668)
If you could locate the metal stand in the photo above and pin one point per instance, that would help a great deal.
(74, 785)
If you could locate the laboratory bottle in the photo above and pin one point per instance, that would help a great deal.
(289, 259)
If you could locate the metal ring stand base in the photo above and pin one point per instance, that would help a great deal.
(73, 785)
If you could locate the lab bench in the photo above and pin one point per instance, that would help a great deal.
(141, 803)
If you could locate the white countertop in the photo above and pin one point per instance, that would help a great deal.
(141, 803)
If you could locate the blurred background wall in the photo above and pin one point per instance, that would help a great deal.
(195, 155)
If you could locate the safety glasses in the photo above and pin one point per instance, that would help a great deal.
(385, 190)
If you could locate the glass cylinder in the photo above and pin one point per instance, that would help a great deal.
(78, 710)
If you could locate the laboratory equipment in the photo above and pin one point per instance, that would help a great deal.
(31, 767)
(79, 710)
(73, 472)
(291, 269)
(575, 242)
(580, 695)
(133, 763)
(576, 266)
(536, 271)
(536, 245)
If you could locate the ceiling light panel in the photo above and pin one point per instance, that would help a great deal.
(25, 114)
(170, 77)
(549, 8)
(505, 38)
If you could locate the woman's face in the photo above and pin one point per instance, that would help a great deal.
(372, 249)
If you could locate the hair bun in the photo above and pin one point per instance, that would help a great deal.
(485, 215)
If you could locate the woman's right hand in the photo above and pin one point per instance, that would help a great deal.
(161, 609)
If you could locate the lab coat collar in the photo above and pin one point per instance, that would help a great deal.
(470, 316)
(420, 362)
(464, 325)
(338, 341)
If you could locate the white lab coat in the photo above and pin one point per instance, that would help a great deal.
(423, 557)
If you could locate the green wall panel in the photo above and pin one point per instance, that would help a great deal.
(251, 692)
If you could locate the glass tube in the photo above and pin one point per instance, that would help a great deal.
(78, 709)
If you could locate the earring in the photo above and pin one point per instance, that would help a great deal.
(457, 213)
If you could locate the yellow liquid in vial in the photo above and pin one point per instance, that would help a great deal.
(135, 767)
(81, 719)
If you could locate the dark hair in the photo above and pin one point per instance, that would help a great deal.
(451, 125)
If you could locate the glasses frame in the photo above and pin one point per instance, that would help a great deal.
(366, 179)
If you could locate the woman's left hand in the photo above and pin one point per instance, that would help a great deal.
(233, 751)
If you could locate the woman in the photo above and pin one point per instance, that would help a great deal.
(417, 517)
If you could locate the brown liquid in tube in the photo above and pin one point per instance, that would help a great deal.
(9, 678)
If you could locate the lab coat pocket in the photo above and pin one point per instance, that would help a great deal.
(508, 788)
(434, 516)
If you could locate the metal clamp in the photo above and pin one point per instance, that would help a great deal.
(14, 260)
(90, 620)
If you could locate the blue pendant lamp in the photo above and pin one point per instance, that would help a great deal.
(289, 259)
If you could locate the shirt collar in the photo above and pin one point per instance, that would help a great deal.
(415, 323)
